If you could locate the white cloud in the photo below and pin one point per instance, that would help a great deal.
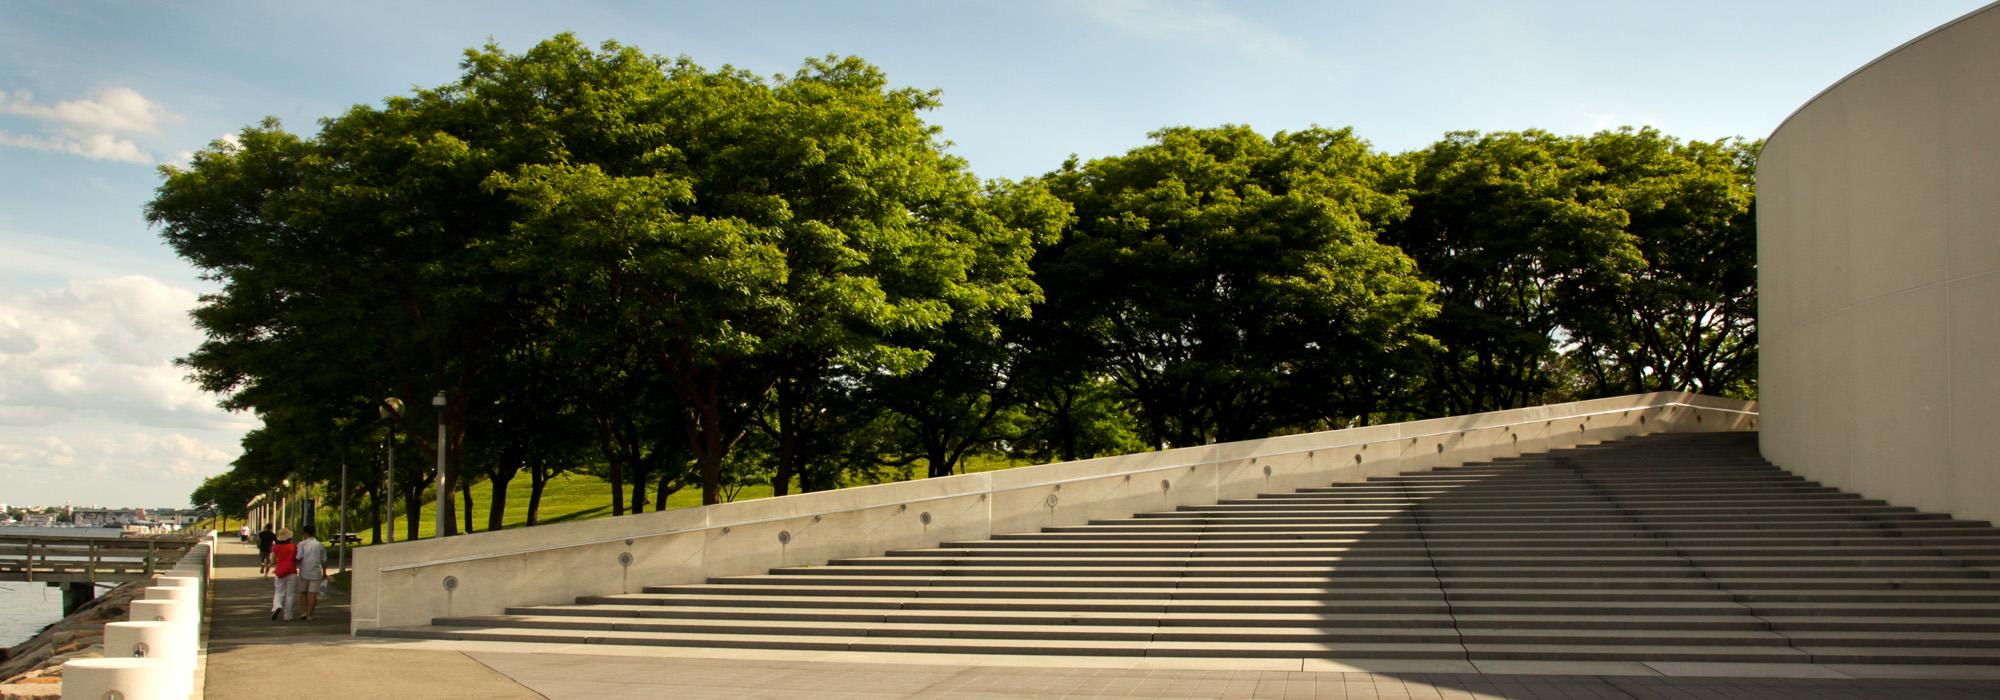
(93, 146)
(44, 450)
(1194, 21)
(92, 409)
(173, 456)
(103, 349)
(118, 110)
(97, 464)
(98, 128)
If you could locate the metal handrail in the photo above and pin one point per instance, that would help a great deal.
(1037, 485)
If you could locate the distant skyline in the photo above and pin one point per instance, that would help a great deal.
(95, 95)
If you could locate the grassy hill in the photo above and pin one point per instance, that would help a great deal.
(574, 497)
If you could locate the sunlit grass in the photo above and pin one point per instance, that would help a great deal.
(573, 497)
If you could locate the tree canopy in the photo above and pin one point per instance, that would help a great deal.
(676, 276)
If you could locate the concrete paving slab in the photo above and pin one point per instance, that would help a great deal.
(313, 672)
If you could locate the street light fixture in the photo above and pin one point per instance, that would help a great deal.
(438, 402)
(391, 408)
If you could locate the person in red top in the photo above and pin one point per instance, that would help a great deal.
(284, 574)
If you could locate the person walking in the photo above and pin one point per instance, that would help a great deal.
(265, 540)
(243, 535)
(312, 572)
(285, 575)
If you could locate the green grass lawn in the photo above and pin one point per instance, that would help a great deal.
(577, 497)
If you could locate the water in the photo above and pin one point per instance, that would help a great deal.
(25, 608)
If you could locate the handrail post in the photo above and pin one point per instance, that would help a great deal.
(28, 560)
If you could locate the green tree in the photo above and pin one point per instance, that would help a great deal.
(1687, 320)
(1229, 280)
(769, 232)
(1516, 230)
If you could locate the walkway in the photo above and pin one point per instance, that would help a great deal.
(249, 654)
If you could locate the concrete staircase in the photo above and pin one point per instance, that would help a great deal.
(1676, 547)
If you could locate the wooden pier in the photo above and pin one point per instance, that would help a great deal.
(79, 563)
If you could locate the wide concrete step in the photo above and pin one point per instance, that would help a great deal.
(1439, 499)
(951, 645)
(1009, 616)
(1614, 518)
(1652, 650)
(1745, 621)
(1384, 633)
(1549, 585)
(1062, 550)
(1514, 507)
(1217, 566)
(1082, 603)
(1635, 652)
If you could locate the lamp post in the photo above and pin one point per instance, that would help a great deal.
(392, 408)
(442, 495)
(343, 514)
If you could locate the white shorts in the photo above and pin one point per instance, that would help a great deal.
(312, 585)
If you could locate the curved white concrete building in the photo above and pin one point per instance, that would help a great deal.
(1879, 277)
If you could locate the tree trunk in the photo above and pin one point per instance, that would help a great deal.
(413, 509)
(465, 493)
(708, 452)
(538, 479)
(496, 513)
(640, 480)
(940, 460)
(375, 522)
(614, 461)
(788, 453)
(705, 437)
(660, 495)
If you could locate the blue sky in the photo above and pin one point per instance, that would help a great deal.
(95, 95)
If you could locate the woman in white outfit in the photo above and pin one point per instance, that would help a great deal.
(284, 575)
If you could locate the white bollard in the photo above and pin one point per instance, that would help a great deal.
(190, 595)
(157, 610)
(118, 679)
(181, 613)
(153, 640)
(176, 581)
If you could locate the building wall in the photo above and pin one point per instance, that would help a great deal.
(1879, 277)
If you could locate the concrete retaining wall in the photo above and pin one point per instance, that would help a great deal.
(1878, 236)
(412, 582)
